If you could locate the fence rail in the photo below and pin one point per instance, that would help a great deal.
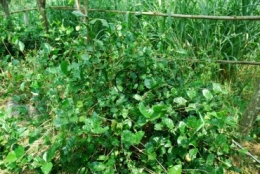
(187, 16)
(234, 18)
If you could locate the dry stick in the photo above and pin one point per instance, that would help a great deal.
(6, 48)
(214, 61)
(247, 153)
(180, 15)
(155, 14)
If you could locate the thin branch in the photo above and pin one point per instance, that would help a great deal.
(247, 153)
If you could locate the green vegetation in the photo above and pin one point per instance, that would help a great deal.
(128, 93)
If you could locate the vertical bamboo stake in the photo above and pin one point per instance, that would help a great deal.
(7, 13)
(26, 18)
(86, 19)
(41, 6)
(251, 112)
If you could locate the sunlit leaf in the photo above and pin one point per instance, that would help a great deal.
(207, 94)
(46, 168)
(149, 82)
(19, 151)
(21, 46)
(11, 157)
(177, 169)
(180, 100)
(78, 13)
(145, 112)
(217, 87)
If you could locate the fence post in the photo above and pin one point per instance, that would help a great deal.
(42, 9)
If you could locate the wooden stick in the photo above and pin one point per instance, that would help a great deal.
(155, 14)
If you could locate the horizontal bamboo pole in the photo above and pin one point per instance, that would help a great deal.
(187, 16)
(214, 61)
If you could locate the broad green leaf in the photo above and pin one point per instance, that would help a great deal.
(22, 86)
(78, 13)
(207, 94)
(138, 137)
(168, 122)
(180, 101)
(210, 159)
(177, 169)
(11, 157)
(138, 97)
(149, 82)
(193, 153)
(182, 127)
(182, 141)
(174, 91)
(220, 140)
(144, 111)
(49, 155)
(46, 167)
(152, 156)
(191, 93)
(79, 104)
(191, 107)
(158, 111)
(64, 67)
(103, 21)
(131, 138)
(58, 122)
(47, 47)
(19, 151)
(98, 166)
(217, 87)
(21, 46)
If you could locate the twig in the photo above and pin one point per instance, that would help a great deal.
(6, 48)
(247, 153)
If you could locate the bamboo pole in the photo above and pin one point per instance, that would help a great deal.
(187, 16)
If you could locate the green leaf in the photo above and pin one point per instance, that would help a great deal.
(182, 141)
(103, 22)
(158, 111)
(46, 167)
(180, 100)
(98, 166)
(11, 157)
(21, 46)
(152, 156)
(191, 93)
(144, 111)
(168, 122)
(177, 169)
(130, 138)
(149, 82)
(182, 127)
(217, 88)
(19, 151)
(138, 137)
(193, 153)
(207, 94)
(78, 13)
(210, 159)
(22, 86)
(47, 47)
(64, 67)
(220, 140)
